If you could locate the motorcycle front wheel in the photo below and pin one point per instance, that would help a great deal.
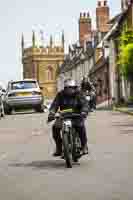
(76, 151)
(67, 146)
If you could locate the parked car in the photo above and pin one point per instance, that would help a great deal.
(23, 94)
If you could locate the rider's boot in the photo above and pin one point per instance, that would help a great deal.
(58, 141)
(85, 150)
(58, 151)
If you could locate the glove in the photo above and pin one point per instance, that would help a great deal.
(84, 114)
(51, 117)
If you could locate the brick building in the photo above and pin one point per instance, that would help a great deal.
(120, 88)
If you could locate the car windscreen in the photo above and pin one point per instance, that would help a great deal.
(23, 85)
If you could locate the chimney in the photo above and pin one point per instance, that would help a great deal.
(102, 16)
(125, 4)
(85, 27)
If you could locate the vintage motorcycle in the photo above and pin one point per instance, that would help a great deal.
(71, 145)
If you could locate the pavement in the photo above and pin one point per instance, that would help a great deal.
(29, 172)
(126, 110)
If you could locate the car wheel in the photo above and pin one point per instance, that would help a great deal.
(8, 111)
(40, 108)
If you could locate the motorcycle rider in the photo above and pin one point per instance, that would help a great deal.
(69, 98)
(88, 87)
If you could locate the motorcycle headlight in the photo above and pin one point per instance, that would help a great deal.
(68, 123)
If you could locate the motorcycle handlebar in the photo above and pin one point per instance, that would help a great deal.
(65, 116)
(68, 115)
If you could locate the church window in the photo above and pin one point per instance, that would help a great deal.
(49, 73)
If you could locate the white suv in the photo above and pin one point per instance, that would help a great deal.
(23, 94)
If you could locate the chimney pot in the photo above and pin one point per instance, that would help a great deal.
(99, 3)
(105, 3)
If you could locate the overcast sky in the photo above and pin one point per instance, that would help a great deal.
(52, 16)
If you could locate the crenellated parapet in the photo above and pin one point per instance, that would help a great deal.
(43, 51)
(35, 50)
(41, 61)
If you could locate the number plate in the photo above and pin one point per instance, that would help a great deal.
(24, 94)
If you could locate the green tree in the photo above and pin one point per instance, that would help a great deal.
(125, 60)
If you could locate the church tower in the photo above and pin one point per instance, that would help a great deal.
(42, 63)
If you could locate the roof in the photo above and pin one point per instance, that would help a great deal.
(117, 20)
(28, 79)
(101, 63)
(114, 19)
(72, 58)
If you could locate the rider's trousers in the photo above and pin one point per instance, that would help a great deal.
(80, 128)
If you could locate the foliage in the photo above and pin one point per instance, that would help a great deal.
(127, 61)
(130, 99)
(126, 54)
(126, 37)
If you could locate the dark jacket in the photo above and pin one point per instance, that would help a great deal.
(76, 102)
(87, 86)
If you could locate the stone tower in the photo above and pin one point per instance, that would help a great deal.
(102, 17)
(85, 28)
(42, 63)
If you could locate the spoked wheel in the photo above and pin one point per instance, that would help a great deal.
(74, 157)
(67, 145)
(76, 152)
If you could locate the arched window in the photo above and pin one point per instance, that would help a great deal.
(49, 73)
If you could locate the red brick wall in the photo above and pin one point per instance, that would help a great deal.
(102, 17)
(85, 27)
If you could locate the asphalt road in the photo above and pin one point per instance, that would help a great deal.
(29, 172)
